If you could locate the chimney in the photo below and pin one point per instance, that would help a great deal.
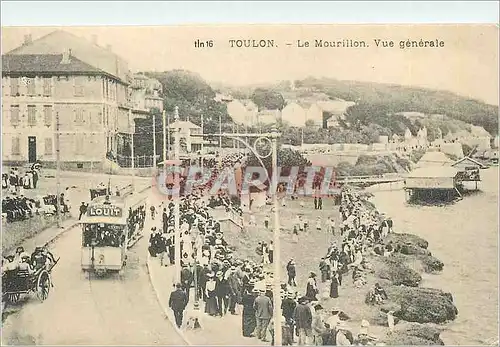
(109, 47)
(66, 56)
(27, 39)
(94, 40)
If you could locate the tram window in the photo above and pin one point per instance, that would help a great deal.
(103, 235)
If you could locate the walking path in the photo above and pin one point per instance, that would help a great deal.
(214, 330)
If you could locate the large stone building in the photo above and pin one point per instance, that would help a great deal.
(65, 77)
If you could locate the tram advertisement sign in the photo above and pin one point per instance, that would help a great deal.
(107, 211)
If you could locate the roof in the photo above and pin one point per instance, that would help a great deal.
(480, 165)
(183, 125)
(434, 172)
(44, 63)
(59, 41)
(434, 159)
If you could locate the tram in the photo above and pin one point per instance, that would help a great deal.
(110, 227)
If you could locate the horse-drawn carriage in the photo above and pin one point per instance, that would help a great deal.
(19, 282)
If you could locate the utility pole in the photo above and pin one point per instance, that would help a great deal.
(58, 171)
(168, 134)
(277, 253)
(164, 123)
(220, 132)
(132, 152)
(154, 141)
(202, 142)
(176, 206)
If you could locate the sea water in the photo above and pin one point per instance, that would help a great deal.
(464, 236)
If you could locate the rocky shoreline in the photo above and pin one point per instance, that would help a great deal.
(418, 311)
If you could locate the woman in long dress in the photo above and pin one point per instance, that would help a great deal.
(312, 287)
(334, 286)
(248, 320)
(211, 307)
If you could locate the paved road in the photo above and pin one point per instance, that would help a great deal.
(81, 310)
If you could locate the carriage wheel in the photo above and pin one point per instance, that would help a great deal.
(43, 286)
(12, 298)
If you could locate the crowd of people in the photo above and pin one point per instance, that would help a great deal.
(226, 282)
(16, 206)
(19, 208)
(15, 182)
(363, 229)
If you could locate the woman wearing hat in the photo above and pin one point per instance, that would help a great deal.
(248, 320)
(312, 287)
(334, 285)
(211, 306)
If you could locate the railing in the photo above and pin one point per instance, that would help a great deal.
(140, 161)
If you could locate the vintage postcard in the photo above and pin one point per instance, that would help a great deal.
(250, 185)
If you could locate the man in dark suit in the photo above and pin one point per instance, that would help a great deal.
(178, 302)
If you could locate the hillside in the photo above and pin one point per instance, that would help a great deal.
(380, 105)
(396, 98)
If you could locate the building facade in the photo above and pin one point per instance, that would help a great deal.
(294, 114)
(56, 85)
(188, 143)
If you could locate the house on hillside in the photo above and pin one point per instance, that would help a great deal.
(294, 114)
(86, 85)
(145, 93)
(266, 117)
(237, 111)
(243, 112)
(327, 113)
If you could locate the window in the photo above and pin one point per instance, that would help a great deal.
(78, 87)
(30, 83)
(47, 86)
(79, 115)
(79, 144)
(16, 146)
(14, 115)
(14, 86)
(47, 115)
(48, 146)
(31, 115)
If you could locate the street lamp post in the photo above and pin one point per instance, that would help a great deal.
(177, 236)
(195, 234)
(276, 254)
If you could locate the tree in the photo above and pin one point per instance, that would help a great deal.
(286, 158)
(267, 99)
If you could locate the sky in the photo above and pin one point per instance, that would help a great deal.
(467, 64)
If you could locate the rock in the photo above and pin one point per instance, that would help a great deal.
(425, 305)
(431, 264)
(395, 270)
(403, 238)
(415, 334)
(411, 249)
